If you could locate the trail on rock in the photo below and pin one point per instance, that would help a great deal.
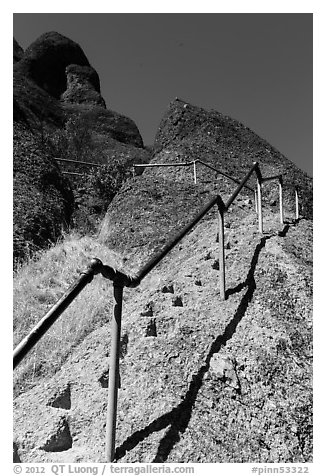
(219, 382)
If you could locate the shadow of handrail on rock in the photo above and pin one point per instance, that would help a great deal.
(239, 287)
(178, 418)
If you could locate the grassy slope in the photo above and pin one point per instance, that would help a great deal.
(38, 284)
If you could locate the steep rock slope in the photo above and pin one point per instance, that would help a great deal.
(201, 380)
(168, 197)
(45, 60)
(192, 132)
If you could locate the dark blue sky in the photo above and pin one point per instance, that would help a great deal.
(256, 68)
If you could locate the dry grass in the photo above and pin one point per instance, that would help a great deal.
(38, 284)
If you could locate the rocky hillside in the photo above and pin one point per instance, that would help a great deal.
(189, 132)
(54, 80)
(55, 91)
(168, 198)
(43, 199)
(201, 380)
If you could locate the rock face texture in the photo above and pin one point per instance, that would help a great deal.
(54, 85)
(43, 199)
(83, 86)
(228, 145)
(46, 59)
(202, 379)
(54, 81)
(209, 382)
(168, 196)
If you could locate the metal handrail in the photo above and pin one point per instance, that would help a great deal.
(177, 164)
(254, 168)
(193, 163)
(46, 322)
(121, 280)
(156, 259)
(79, 162)
(74, 173)
(118, 278)
(223, 173)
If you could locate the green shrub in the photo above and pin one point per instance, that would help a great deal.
(74, 142)
(94, 192)
(43, 201)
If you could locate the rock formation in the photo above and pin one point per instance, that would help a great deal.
(83, 86)
(228, 145)
(53, 84)
(168, 196)
(46, 59)
(202, 379)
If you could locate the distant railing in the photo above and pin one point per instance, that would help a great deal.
(121, 280)
(76, 162)
(193, 164)
(198, 161)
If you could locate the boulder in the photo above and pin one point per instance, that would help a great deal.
(54, 82)
(46, 59)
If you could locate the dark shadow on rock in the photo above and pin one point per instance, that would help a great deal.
(284, 231)
(254, 260)
(16, 458)
(253, 265)
(178, 418)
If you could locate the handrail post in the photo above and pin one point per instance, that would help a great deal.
(221, 252)
(260, 212)
(296, 204)
(195, 172)
(114, 373)
(280, 185)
